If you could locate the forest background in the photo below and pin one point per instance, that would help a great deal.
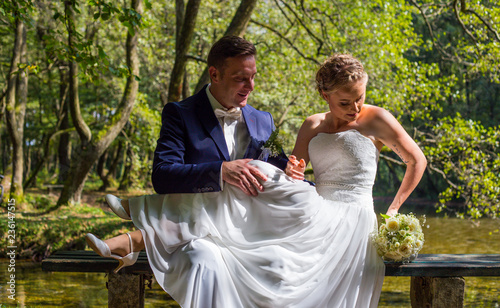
(83, 84)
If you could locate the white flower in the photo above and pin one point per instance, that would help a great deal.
(413, 225)
(419, 244)
(400, 238)
(392, 224)
(405, 250)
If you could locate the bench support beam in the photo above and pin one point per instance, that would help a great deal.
(125, 290)
(434, 292)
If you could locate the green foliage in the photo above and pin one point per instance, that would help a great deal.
(39, 236)
(424, 78)
(88, 52)
(141, 135)
(466, 154)
(19, 9)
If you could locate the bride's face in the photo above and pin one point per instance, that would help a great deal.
(346, 103)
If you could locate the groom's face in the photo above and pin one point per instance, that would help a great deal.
(233, 83)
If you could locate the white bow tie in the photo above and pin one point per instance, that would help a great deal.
(232, 114)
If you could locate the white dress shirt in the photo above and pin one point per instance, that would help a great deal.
(235, 131)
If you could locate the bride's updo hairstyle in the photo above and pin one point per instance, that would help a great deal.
(339, 71)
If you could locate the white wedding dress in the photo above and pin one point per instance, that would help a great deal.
(294, 245)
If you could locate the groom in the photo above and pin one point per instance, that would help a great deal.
(209, 138)
(205, 140)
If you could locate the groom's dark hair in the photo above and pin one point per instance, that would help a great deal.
(229, 47)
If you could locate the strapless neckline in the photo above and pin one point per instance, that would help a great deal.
(345, 159)
(346, 131)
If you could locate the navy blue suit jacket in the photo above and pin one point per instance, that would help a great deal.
(191, 147)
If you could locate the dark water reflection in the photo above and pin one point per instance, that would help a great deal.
(35, 288)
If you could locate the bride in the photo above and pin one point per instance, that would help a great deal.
(293, 245)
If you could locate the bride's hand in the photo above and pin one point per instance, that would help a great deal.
(391, 212)
(295, 168)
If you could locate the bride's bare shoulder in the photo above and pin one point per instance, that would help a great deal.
(311, 126)
(373, 114)
(314, 121)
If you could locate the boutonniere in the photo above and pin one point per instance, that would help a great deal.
(273, 146)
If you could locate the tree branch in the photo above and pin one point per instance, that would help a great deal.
(287, 109)
(484, 21)
(431, 167)
(392, 160)
(460, 21)
(435, 43)
(237, 27)
(196, 58)
(286, 40)
(320, 42)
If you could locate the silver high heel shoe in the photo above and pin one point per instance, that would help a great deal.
(102, 249)
(115, 204)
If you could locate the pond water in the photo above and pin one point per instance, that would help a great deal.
(35, 288)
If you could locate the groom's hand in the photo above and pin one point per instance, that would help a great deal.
(244, 176)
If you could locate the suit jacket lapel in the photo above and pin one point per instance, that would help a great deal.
(251, 123)
(211, 124)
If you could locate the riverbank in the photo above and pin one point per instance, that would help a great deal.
(36, 234)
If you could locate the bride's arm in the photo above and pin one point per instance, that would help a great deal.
(390, 132)
(300, 154)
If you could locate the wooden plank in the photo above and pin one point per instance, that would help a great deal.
(447, 265)
(89, 261)
(425, 265)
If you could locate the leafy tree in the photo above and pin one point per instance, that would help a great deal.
(92, 146)
(465, 154)
(16, 91)
(427, 60)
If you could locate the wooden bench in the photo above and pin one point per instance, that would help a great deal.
(436, 279)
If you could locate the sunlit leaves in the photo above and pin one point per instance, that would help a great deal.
(86, 50)
(18, 9)
(467, 153)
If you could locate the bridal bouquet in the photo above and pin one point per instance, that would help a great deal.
(400, 238)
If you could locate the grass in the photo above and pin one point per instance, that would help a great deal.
(38, 235)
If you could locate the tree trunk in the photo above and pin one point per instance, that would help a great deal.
(182, 44)
(185, 86)
(88, 156)
(22, 98)
(15, 114)
(64, 148)
(4, 142)
(128, 161)
(105, 176)
(62, 128)
(237, 27)
(2, 105)
(43, 155)
(74, 102)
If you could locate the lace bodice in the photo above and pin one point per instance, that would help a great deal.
(345, 161)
